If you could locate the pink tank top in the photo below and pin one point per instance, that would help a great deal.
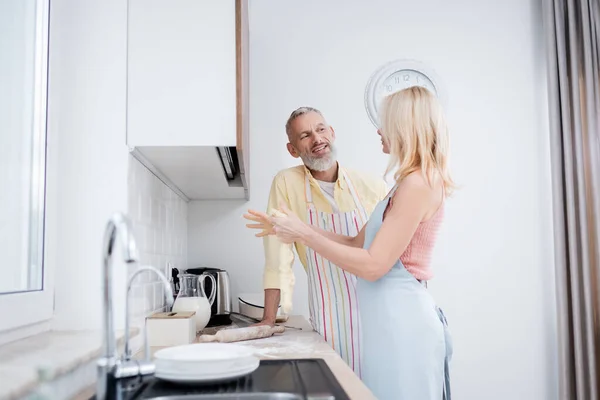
(417, 256)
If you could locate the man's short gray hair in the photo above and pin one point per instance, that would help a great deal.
(297, 113)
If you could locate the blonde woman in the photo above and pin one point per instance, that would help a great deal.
(406, 346)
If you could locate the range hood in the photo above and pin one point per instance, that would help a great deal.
(229, 161)
(196, 172)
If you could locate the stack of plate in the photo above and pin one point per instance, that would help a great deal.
(204, 362)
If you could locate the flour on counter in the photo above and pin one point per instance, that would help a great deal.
(291, 344)
(279, 345)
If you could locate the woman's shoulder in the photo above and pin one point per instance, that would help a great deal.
(417, 181)
(415, 178)
(417, 185)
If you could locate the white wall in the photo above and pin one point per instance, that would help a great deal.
(159, 219)
(494, 261)
(87, 124)
(95, 173)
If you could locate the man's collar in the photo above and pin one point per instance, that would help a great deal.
(340, 182)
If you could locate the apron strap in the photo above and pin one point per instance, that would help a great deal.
(449, 351)
(307, 190)
(353, 193)
(361, 210)
(447, 394)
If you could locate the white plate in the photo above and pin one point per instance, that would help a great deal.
(204, 362)
(187, 368)
(203, 352)
(195, 377)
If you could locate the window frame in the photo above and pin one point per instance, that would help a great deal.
(23, 310)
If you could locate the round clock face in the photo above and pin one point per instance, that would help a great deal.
(403, 79)
(393, 77)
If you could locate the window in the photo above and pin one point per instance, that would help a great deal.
(25, 286)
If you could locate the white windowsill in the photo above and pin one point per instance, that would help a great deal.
(28, 363)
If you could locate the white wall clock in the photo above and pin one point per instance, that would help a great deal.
(395, 76)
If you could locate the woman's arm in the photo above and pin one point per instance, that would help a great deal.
(411, 203)
(264, 223)
(352, 241)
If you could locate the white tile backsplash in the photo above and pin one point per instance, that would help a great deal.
(159, 218)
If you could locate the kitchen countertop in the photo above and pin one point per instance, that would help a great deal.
(304, 343)
(30, 362)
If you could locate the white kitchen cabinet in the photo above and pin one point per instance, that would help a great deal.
(187, 93)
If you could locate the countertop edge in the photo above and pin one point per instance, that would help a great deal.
(43, 358)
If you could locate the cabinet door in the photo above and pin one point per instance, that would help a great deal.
(181, 73)
(243, 85)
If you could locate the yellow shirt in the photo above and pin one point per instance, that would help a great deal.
(289, 187)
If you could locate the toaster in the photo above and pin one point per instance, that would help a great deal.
(220, 313)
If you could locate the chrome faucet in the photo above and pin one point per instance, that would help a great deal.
(169, 303)
(118, 226)
(109, 364)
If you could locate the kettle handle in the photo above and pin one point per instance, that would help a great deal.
(213, 292)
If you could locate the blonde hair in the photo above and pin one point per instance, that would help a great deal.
(413, 124)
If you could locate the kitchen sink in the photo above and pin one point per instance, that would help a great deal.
(299, 379)
(235, 396)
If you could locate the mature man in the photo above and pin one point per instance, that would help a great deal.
(335, 199)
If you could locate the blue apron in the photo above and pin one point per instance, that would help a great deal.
(405, 339)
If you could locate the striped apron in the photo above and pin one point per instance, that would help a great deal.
(333, 304)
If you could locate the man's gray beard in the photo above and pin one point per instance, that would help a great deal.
(321, 163)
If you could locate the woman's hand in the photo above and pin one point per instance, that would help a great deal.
(262, 222)
(285, 224)
(288, 227)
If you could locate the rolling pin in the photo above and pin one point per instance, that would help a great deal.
(241, 334)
